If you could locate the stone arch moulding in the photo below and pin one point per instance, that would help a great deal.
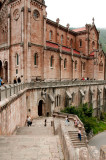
(41, 99)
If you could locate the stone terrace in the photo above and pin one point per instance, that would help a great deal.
(32, 143)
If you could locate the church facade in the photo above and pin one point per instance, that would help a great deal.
(34, 47)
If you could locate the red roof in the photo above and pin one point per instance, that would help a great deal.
(49, 44)
(76, 52)
(66, 49)
(79, 29)
(92, 54)
(53, 45)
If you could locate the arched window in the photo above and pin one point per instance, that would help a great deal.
(61, 39)
(80, 42)
(17, 59)
(51, 61)
(50, 35)
(93, 44)
(75, 65)
(57, 100)
(35, 59)
(71, 42)
(65, 63)
(101, 66)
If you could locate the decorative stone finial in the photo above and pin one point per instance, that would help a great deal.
(58, 20)
(68, 25)
(93, 21)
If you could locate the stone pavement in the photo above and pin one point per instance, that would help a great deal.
(32, 143)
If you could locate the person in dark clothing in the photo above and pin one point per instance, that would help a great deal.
(15, 80)
(19, 80)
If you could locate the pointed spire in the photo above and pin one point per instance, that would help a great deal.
(93, 21)
(58, 20)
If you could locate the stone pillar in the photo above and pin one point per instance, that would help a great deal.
(52, 107)
(29, 47)
(22, 24)
(44, 43)
(103, 153)
(9, 43)
(72, 64)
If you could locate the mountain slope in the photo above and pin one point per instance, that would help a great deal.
(102, 38)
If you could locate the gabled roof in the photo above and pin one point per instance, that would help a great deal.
(79, 29)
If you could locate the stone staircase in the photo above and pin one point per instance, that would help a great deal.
(32, 143)
(75, 140)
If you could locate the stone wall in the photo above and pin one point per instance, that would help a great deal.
(71, 153)
(16, 99)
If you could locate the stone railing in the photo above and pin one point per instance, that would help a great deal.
(72, 117)
(8, 90)
(66, 83)
(83, 153)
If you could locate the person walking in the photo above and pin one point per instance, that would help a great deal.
(67, 121)
(79, 134)
(29, 122)
(45, 122)
(0, 82)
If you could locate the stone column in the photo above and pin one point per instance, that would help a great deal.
(29, 47)
(9, 43)
(22, 24)
(44, 43)
(72, 63)
(22, 45)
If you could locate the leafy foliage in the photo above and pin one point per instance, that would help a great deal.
(102, 38)
(84, 112)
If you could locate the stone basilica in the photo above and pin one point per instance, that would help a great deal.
(34, 47)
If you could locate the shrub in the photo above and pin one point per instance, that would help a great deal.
(84, 112)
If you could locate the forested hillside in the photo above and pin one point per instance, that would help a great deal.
(102, 38)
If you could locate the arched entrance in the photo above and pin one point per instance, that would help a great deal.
(1, 69)
(6, 72)
(40, 107)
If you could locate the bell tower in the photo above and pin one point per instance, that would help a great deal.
(34, 38)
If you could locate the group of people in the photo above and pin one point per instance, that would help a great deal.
(76, 124)
(85, 78)
(17, 80)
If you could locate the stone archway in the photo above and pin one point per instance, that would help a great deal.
(6, 72)
(40, 108)
(1, 69)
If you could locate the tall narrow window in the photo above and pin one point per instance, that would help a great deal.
(17, 59)
(71, 42)
(57, 100)
(75, 65)
(93, 45)
(36, 59)
(51, 61)
(65, 63)
(50, 35)
(101, 66)
(61, 39)
(80, 43)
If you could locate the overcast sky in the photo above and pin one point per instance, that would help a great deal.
(77, 12)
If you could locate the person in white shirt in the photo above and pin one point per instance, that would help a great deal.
(29, 121)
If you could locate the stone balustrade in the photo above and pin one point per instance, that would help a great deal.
(9, 90)
(83, 153)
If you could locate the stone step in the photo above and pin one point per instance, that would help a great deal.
(76, 142)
